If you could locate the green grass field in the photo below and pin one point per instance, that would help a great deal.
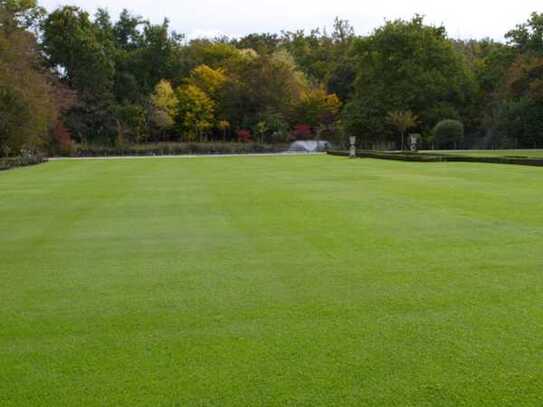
(271, 281)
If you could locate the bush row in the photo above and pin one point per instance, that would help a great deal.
(23, 161)
(496, 160)
(175, 149)
(436, 157)
(400, 156)
(391, 156)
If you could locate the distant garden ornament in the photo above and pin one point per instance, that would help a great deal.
(413, 141)
(403, 121)
(352, 152)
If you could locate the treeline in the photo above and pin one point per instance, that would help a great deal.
(70, 77)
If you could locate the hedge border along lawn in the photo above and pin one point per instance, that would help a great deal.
(391, 156)
(509, 153)
(437, 157)
(9, 163)
(317, 281)
(159, 149)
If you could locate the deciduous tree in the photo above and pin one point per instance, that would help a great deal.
(195, 112)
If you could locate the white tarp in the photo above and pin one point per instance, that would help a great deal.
(309, 146)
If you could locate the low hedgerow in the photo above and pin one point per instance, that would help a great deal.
(338, 153)
(535, 162)
(405, 156)
(437, 157)
(159, 149)
(7, 163)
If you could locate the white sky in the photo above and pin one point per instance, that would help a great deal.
(463, 18)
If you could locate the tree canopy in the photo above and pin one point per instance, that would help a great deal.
(104, 79)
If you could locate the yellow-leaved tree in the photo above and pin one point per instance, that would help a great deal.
(208, 79)
(317, 107)
(196, 112)
(224, 126)
(164, 104)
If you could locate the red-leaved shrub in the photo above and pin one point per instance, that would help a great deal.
(62, 138)
(244, 136)
(301, 132)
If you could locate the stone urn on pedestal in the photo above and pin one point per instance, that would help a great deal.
(352, 151)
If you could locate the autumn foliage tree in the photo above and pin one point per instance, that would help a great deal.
(196, 112)
(164, 105)
(27, 104)
(317, 107)
(137, 81)
(208, 79)
(224, 126)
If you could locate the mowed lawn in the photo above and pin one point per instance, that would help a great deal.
(271, 281)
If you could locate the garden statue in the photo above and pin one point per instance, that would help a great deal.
(352, 152)
(413, 140)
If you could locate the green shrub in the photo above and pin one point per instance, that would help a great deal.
(448, 134)
(22, 161)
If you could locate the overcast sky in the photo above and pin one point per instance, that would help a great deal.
(463, 18)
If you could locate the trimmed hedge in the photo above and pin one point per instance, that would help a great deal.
(159, 149)
(390, 156)
(535, 162)
(338, 153)
(14, 162)
(399, 156)
(437, 157)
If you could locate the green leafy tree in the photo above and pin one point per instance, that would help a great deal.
(528, 37)
(210, 53)
(325, 57)
(17, 15)
(84, 58)
(406, 66)
(127, 31)
(72, 43)
(262, 44)
(131, 123)
(517, 114)
(14, 113)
